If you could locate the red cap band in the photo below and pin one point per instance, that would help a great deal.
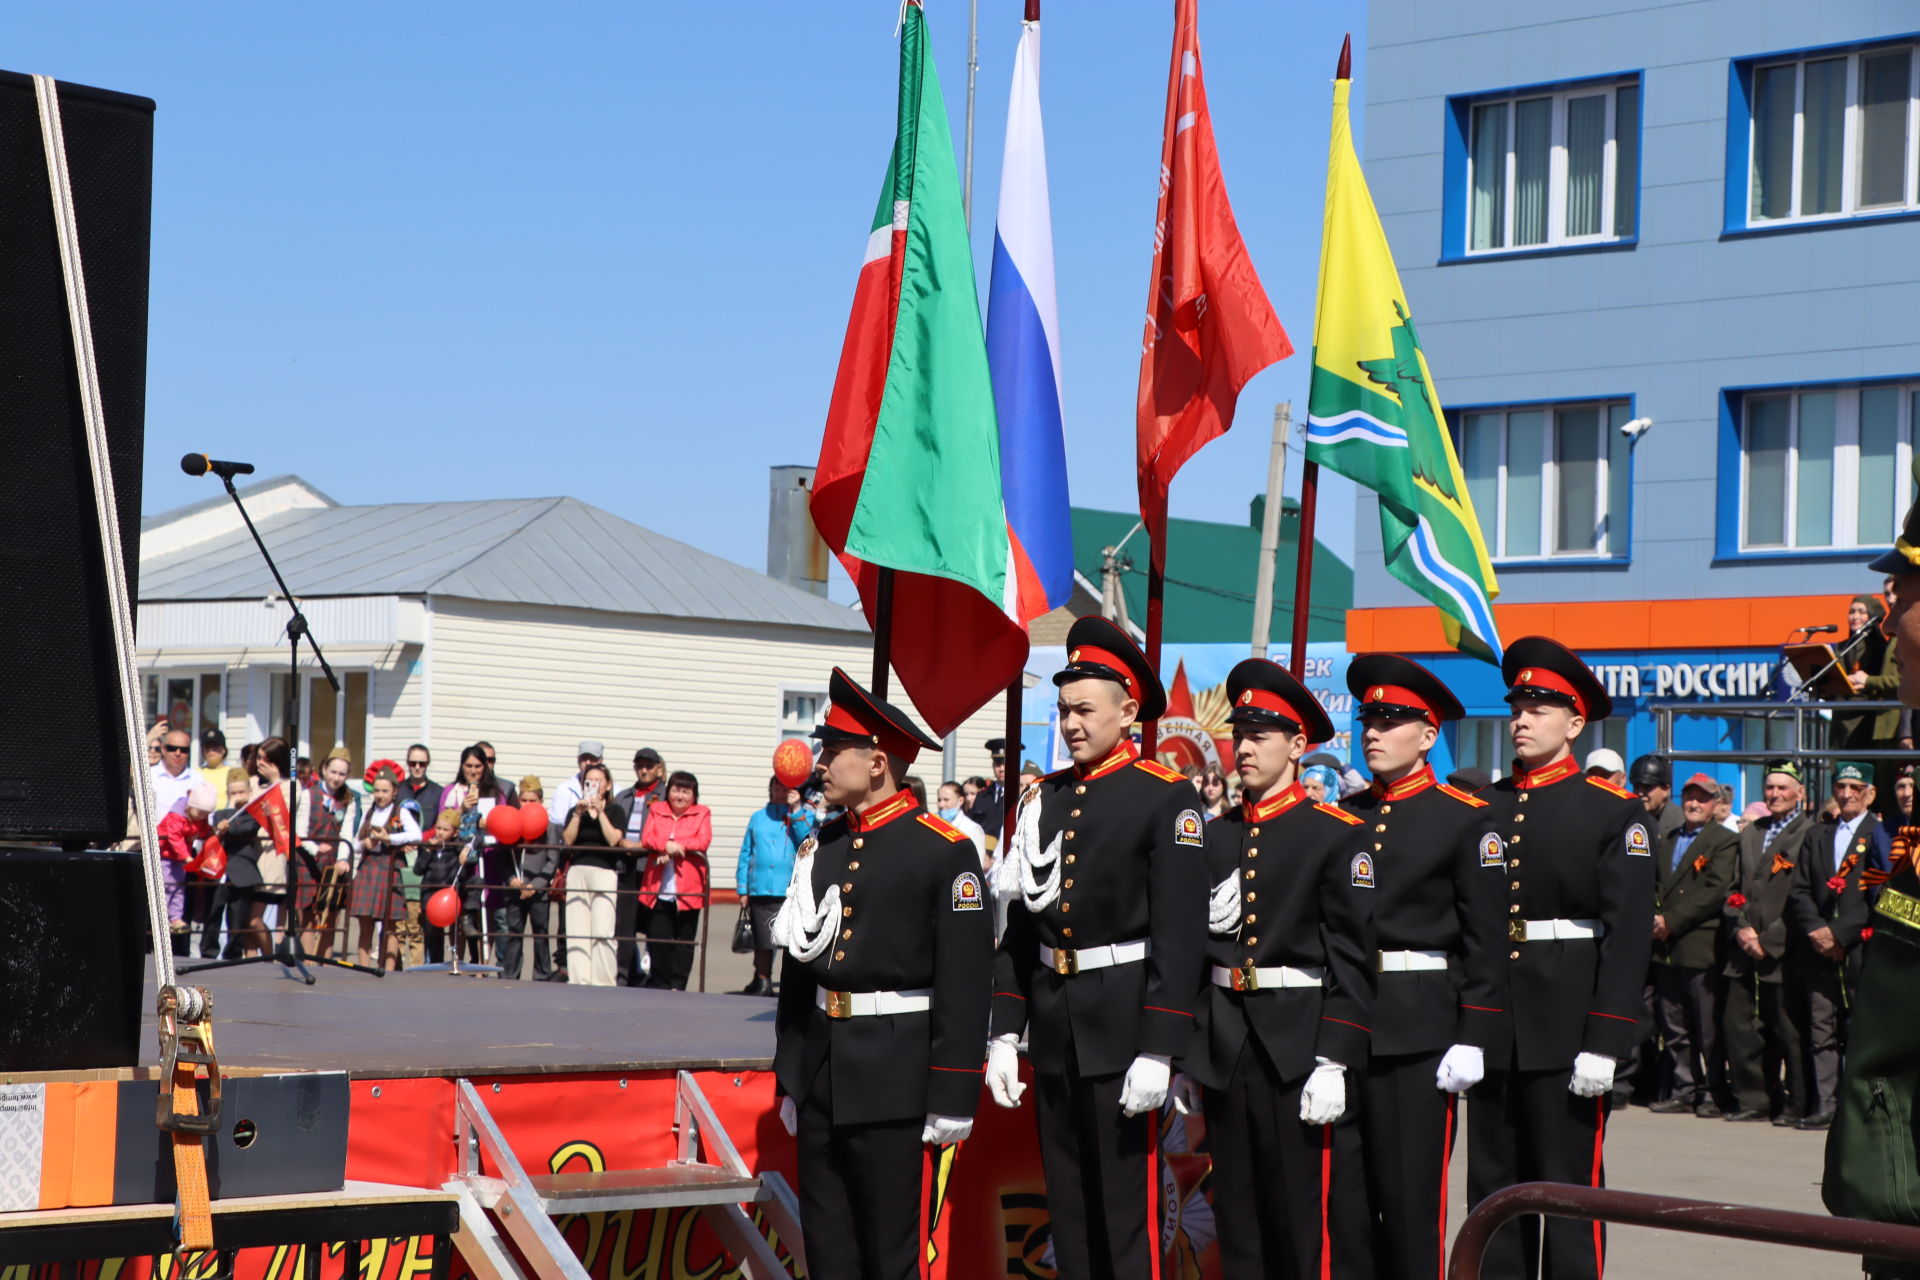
(898, 745)
(1541, 678)
(1088, 653)
(1394, 695)
(1265, 701)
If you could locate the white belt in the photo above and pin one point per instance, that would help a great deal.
(1067, 963)
(1248, 978)
(1410, 961)
(1555, 930)
(866, 1004)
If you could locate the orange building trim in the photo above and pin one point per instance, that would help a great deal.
(1758, 623)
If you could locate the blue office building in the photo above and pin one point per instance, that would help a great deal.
(1665, 264)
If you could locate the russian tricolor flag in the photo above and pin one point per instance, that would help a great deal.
(1023, 351)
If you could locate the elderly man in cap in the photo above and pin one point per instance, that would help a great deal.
(1826, 914)
(1763, 1042)
(1578, 916)
(1692, 870)
(883, 996)
(1106, 897)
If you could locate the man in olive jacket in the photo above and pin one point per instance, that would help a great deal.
(1761, 1036)
(1692, 872)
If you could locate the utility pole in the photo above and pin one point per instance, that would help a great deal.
(1270, 529)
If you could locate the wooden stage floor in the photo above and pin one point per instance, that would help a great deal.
(436, 1024)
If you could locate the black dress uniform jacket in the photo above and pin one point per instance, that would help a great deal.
(1812, 902)
(1692, 895)
(1578, 848)
(1132, 832)
(914, 915)
(1307, 887)
(1442, 872)
(1765, 878)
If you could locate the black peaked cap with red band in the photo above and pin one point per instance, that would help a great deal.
(1535, 667)
(1266, 696)
(1097, 649)
(856, 716)
(1398, 688)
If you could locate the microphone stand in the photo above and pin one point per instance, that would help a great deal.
(289, 954)
(1838, 654)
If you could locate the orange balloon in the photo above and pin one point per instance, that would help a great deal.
(533, 823)
(792, 763)
(443, 908)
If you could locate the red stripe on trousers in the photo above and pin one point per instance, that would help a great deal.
(929, 1170)
(1446, 1159)
(1153, 1194)
(1326, 1193)
(1599, 1231)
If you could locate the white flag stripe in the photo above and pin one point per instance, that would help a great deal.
(1025, 223)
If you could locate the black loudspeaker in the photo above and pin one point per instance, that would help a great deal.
(64, 770)
(70, 971)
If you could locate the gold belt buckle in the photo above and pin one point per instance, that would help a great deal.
(1516, 931)
(1066, 962)
(839, 1004)
(1246, 977)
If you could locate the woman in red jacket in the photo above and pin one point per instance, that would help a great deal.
(673, 881)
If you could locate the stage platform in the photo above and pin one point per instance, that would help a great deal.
(437, 1024)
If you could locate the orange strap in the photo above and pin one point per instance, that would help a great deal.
(192, 1206)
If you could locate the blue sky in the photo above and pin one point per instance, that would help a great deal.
(436, 251)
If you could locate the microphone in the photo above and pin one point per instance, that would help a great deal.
(198, 464)
(1829, 629)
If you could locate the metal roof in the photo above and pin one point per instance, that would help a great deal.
(551, 551)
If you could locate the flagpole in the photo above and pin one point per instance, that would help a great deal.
(1310, 492)
(882, 631)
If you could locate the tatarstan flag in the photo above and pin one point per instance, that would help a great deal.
(909, 472)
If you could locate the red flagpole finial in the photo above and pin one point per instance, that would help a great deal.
(1345, 70)
(1033, 10)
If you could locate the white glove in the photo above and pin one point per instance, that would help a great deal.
(1592, 1075)
(1188, 1098)
(1003, 1070)
(941, 1131)
(1463, 1067)
(1324, 1097)
(1145, 1088)
(790, 1117)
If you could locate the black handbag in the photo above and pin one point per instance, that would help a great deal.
(743, 930)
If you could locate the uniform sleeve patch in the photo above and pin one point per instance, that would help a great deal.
(944, 827)
(1362, 871)
(1190, 828)
(1637, 843)
(1492, 852)
(1339, 813)
(1159, 770)
(966, 892)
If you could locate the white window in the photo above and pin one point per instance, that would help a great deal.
(801, 711)
(1834, 135)
(1548, 480)
(327, 719)
(1553, 169)
(1481, 742)
(1821, 468)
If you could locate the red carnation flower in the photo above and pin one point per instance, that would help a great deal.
(1736, 900)
(1866, 933)
(1838, 884)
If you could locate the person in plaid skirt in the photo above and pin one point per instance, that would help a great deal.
(389, 830)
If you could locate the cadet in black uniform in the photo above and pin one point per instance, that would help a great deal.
(1579, 922)
(1101, 958)
(1436, 921)
(1284, 1020)
(884, 995)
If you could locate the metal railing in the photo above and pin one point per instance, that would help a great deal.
(1810, 726)
(1672, 1213)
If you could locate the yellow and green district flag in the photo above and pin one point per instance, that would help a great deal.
(1373, 415)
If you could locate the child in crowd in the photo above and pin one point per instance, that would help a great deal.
(443, 860)
(212, 890)
(181, 834)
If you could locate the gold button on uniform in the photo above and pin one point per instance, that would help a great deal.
(854, 865)
(1377, 846)
(1069, 835)
(1516, 884)
(859, 842)
(1379, 826)
(1519, 817)
(1252, 942)
(1072, 858)
(1067, 885)
(1386, 809)
(1513, 955)
(846, 935)
(846, 911)
(1074, 814)
(1252, 896)
(847, 887)
(1066, 933)
(1254, 832)
(1251, 873)
(1253, 919)
(1513, 862)
(1066, 906)
(1523, 797)
(1080, 790)
(839, 955)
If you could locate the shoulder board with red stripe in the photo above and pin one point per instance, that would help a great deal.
(945, 828)
(1464, 797)
(1604, 785)
(1160, 771)
(1341, 814)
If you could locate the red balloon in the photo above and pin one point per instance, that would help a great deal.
(503, 824)
(533, 823)
(443, 908)
(792, 763)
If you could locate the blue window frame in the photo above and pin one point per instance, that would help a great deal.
(1815, 469)
(1825, 135)
(1542, 168)
(1551, 481)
